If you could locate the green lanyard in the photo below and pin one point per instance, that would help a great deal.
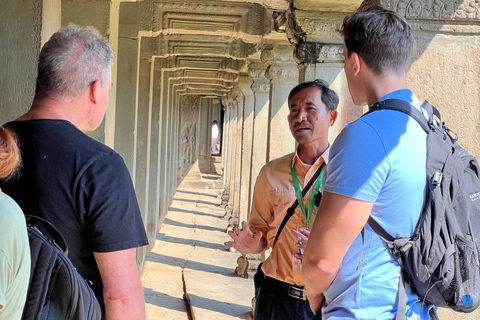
(298, 191)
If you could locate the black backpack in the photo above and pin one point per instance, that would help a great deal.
(56, 290)
(441, 260)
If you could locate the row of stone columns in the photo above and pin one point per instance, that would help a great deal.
(256, 117)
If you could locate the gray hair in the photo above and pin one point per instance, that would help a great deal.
(71, 60)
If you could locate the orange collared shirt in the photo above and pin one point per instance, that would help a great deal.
(274, 193)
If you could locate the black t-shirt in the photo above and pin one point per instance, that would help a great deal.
(80, 186)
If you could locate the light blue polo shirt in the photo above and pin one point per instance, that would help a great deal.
(379, 158)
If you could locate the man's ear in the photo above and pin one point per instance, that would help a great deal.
(333, 117)
(356, 65)
(95, 91)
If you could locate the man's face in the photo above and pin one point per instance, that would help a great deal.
(309, 118)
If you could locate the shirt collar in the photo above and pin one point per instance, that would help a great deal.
(318, 162)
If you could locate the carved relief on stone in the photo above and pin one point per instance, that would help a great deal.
(436, 9)
(206, 22)
(314, 52)
(308, 52)
(260, 87)
(280, 53)
(190, 101)
(256, 71)
(282, 71)
(205, 7)
(320, 25)
(331, 53)
(187, 145)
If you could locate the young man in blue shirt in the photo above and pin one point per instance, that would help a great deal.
(376, 167)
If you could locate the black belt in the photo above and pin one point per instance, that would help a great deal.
(280, 287)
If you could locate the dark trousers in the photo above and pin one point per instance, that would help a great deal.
(274, 301)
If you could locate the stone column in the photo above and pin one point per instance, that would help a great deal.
(162, 147)
(239, 101)
(261, 93)
(151, 190)
(282, 72)
(205, 136)
(245, 84)
(127, 66)
(224, 190)
(189, 113)
(142, 127)
(230, 169)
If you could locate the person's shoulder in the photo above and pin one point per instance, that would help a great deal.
(12, 217)
(357, 128)
(279, 163)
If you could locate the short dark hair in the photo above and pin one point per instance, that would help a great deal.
(381, 37)
(70, 60)
(215, 121)
(329, 97)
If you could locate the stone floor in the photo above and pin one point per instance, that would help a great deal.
(190, 273)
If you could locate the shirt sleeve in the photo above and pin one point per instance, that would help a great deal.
(358, 166)
(112, 217)
(261, 208)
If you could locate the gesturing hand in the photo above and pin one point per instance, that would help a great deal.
(244, 241)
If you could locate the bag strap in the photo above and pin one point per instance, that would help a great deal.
(291, 210)
(49, 231)
(407, 108)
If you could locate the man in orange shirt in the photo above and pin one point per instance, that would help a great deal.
(312, 110)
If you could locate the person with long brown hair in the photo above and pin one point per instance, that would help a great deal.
(14, 248)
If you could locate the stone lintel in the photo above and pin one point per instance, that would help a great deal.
(441, 10)
(328, 5)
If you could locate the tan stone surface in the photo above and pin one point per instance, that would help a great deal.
(189, 258)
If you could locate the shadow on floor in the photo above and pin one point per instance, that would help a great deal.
(227, 308)
(197, 243)
(199, 193)
(200, 213)
(197, 201)
(168, 221)
(165, 301)
(193, 265)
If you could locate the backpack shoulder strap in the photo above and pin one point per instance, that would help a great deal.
(49, 231)
(407, 108)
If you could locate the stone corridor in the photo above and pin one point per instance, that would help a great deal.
(182, 64)
(189, 274)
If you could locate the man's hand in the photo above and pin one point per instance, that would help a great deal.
(302, 236)
(316, 302)
(245, 241)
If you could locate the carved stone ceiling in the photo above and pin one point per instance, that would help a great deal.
(204, 45)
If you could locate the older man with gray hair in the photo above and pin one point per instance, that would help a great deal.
(76, 183)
